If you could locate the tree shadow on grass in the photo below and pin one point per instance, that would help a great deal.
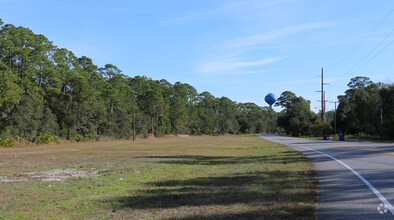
(282, 158)
(251, 215)
(271, 187)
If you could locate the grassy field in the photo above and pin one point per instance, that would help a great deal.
(225, 177)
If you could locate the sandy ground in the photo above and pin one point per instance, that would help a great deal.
(53, 175)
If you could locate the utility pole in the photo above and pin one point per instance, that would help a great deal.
(381, 117)
(133, 117)
(324, 106)
(323, 97)
(323, 111)
(335, 118)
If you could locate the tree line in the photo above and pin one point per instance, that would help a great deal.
(48, 90)
(47, 93)
(366, 108)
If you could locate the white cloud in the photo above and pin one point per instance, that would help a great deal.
(189, 17)
(234, 9)
(233, 66)
(251, 7)
(267, 36)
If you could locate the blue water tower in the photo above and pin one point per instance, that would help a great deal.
(270, 99)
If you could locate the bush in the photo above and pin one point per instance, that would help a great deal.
(80, 138)
(93, 135)
(77, 138)
(319, 128)
(6, 142)
(47, 138)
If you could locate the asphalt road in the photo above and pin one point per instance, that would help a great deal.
(356, 179)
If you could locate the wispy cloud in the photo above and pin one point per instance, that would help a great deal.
(236, 65)
(188, 17)
(233, 66)
(251, 7)
(244, 8)
(257, 39)
(234, 55)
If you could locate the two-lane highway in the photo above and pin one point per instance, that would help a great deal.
(356, 180)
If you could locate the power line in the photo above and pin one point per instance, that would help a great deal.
(371, 51)
(374, 56)
(390, 75)
(360, 64)
(361, 42)
(364, 61)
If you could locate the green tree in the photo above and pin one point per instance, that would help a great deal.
(139, 85)
(152, 103)
(10, 92)
(298, 117)
(270, 120)
(164, 124)
(182, 108)
(251, 118)
(118, 98)
(387, 96)
(26, 118)
(207, 113)
(45, 89)
(227, 116)
(358, 109)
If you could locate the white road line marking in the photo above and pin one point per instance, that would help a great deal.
(374, 190)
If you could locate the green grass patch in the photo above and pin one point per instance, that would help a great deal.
(225, 177)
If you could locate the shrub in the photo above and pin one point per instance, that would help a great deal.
(80, 138)
(6, 142)
(319, 128)
(93, 135)
(47, 138)
(77, 138)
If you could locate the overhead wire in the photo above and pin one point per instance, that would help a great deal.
(379, 52)
(360, 64)
(361, 42)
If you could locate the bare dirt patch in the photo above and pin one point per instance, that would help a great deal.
(183, 135)
(57, 175)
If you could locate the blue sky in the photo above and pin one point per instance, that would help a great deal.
(238, 49)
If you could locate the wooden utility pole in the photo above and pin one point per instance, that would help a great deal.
(133, 118)
(381, 117)
(323, 97)
(323, 114)
(335, 118)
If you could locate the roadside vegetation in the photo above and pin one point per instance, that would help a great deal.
(364, 112)
(47, 94)
(46, 91)
(211, 177)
